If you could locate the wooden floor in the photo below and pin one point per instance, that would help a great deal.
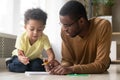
(113, 74)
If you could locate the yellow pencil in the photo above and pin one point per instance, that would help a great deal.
(45, 63)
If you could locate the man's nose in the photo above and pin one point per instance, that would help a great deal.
(65, 28)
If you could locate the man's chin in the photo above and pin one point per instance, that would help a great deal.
(72, 36)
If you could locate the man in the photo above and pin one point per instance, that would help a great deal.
(85, 43)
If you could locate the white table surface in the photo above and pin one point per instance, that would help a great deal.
(113, 74)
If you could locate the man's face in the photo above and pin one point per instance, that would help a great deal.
(71, 27)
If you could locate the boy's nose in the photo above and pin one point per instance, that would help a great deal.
(35, 32)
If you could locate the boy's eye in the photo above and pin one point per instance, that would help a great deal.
(39, 30)
(31, 29)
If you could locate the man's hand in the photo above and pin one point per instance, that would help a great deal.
(51, 65)
(60, 70)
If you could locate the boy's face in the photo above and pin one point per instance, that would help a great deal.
(34, 29)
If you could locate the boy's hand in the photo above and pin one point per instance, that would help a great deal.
(45, 61)
(22, 58)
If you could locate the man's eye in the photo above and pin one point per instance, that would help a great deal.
(39, 30)
(67, 25)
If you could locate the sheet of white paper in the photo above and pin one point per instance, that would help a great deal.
(36, 73)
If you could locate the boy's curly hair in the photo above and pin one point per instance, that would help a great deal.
(35, 13)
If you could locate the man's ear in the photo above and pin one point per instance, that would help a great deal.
(81, 20)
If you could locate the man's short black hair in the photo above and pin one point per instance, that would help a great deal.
(35, 13)
(73, 9)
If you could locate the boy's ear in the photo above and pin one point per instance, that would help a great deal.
(43, 27)
(25, 26)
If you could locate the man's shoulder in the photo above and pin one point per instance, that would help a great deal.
(99, 25)
(98, 20)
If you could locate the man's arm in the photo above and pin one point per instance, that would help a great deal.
(102, 61)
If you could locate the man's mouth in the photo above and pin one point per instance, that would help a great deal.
(67, 33)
